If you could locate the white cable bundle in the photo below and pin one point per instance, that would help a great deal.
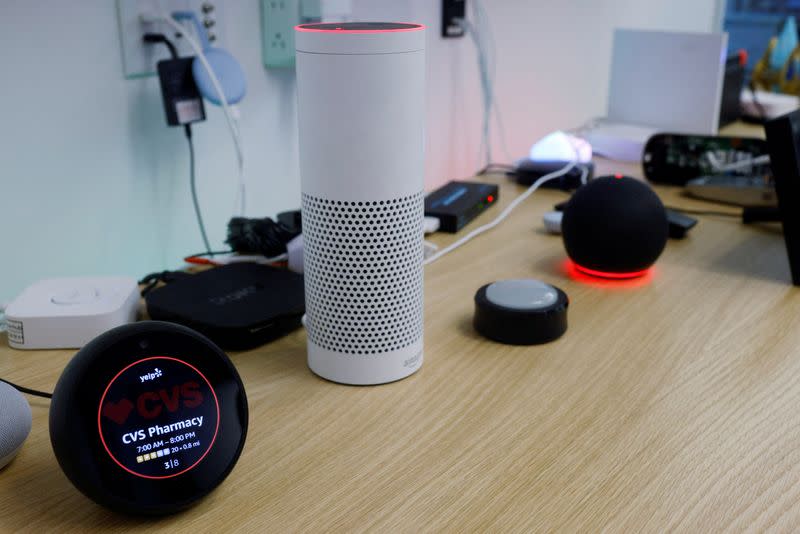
(482, 36)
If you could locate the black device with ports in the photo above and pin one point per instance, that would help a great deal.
(456, 204)
(528, 171)
(675, 159)
(239, 306)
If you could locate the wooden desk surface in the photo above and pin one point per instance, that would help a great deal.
(668, 405)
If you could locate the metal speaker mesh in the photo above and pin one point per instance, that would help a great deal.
(364, 273)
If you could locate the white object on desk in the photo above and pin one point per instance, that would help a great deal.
(552, 222)
(69, 312)
(660, 82)
(560, 146)
(771, 105)
(15, 422)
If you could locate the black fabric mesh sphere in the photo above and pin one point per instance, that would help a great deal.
(615, 225)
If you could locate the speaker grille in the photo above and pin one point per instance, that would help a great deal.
(363, 273)
(15, 421)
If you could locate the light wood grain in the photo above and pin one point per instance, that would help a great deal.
(671, 405)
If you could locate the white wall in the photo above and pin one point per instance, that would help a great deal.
(92, 182)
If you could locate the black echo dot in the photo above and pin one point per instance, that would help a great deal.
(614, 227)
(521, 312)
(148, 418)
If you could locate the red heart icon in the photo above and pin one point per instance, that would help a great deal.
(118, 412)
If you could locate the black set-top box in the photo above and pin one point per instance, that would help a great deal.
(455, 204)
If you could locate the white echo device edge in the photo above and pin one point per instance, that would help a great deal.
(361, 112)
(67, 313)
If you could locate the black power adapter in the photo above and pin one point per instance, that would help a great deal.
(183, 104)
(182, 101)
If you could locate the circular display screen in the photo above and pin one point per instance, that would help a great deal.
(158, 417)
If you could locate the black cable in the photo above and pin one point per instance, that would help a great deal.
(151, 280)
(188, 129)
(710, 213)
(28, 391)
(259, 236)
(161, 38)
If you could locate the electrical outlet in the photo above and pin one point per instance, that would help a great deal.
(451, 11)
(278, 19)
(139, 59)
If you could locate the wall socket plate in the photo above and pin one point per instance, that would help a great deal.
(278, 19)
(139, 59)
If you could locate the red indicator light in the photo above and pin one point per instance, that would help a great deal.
(341, 29)
(614, 281)
(618, 176)
(614, 276)
(490, 198)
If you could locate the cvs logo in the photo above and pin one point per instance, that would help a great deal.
(151, 404)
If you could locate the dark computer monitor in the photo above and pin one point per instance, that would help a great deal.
(783, 138)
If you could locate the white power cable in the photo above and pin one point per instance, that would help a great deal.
(483, 38)
(240, 204)
(584, 174)
(506, 212)
(738, 165)
(485, 28)
(485, 87)
(229, 115)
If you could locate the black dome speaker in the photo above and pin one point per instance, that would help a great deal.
(614, 227)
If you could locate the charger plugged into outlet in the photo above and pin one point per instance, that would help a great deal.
(134, 16)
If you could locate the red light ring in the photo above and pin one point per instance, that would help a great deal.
(416, 28)
(613, 276)
(100, 424)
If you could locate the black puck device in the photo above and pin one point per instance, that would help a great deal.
(455, 204)
(238, 306)
(148, 418)
(521, 312)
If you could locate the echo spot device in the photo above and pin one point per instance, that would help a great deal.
(614, 227)
(148, 418)
(521, 312)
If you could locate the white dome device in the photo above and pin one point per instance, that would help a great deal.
(361, 111)
(15, 422)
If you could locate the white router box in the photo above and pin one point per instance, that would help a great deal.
(67, 313)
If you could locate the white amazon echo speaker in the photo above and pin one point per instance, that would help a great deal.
(361, 112)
